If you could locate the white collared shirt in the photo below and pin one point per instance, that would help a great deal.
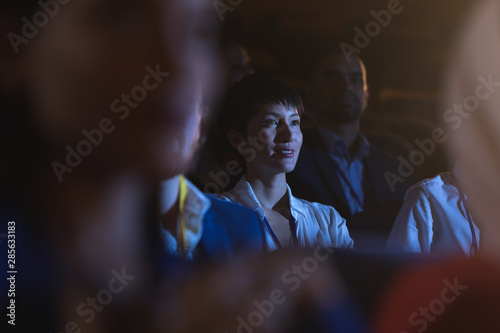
(317, 224)
(195, 208)
(350, 167)
(430, 220)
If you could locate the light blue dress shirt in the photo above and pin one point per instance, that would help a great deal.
(350, 168)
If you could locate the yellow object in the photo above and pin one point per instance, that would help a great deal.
(183, 191)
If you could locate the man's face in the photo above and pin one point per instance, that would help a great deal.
(339, 90)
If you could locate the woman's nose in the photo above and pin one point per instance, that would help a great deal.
(285, 133)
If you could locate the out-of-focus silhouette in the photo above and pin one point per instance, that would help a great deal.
(99, 104)
(462, 295)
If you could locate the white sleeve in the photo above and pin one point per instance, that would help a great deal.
(338, 230)
(412, 230)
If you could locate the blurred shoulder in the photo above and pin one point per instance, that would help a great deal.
(223, 204)
(225, 197)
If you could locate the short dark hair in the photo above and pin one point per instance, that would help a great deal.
(247, 96)
(242, 101)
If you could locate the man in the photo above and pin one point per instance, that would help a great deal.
(337, 165)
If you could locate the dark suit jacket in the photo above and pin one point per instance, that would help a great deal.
(229, 229)
(315, 178)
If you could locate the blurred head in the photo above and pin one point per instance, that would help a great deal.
(261, 116)
(472, 82)
(141, 66)
(339, 91)
(237, 62)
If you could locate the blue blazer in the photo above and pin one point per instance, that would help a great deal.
(229, 229)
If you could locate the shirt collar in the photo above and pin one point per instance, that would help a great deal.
(195, 208)
(338, 147)
(244, 194)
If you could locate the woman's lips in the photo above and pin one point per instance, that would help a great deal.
(285, 152)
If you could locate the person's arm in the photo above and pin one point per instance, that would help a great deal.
(412, 230)
(338, 230)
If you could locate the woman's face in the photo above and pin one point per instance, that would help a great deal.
(141, 64)
(275, 131)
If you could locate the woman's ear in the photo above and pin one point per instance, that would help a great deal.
(235, 138)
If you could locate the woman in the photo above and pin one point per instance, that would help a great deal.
(261, 116)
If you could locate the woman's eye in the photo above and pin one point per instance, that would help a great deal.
(295, 123)
(270, 122)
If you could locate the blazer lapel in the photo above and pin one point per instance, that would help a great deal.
(327, 168)
(377, 181)
(324, 162)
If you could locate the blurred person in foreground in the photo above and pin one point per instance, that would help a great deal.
(293, 291)
(237, 61)
(261, 118)
(462, 295)
(209, 171)
(98, 108)
(337, 165)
